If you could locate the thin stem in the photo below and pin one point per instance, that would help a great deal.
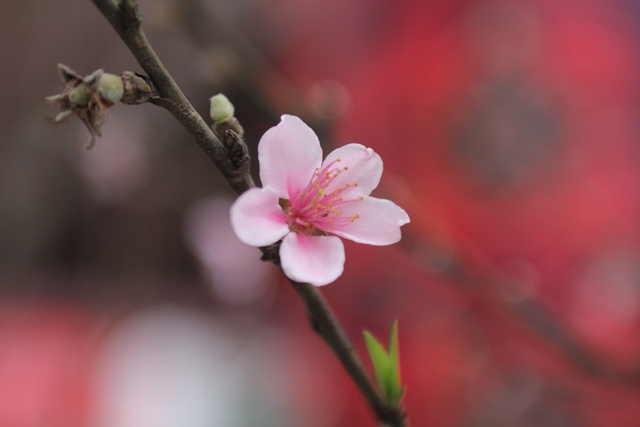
(326, 324)
(124, 17)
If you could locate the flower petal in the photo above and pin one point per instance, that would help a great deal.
(374, 221)
(318, 260)
(289, 154)
(257, 218)
(360, 170)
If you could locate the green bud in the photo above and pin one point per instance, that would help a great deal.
(221, 108)
(79, 95)
(110, 87)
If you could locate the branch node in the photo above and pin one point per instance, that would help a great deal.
(271, 253)
(138, 89)
(230, 133)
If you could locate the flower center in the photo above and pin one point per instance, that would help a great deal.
(316, 210)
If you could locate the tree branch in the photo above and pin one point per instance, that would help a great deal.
(324, 322)
(488, 291)
(125, 18)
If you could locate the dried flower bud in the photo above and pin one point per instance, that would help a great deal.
(90, 97)
(138, 89)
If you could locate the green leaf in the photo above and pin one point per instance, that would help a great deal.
(386, 365)
(394, 366)
(378, 356)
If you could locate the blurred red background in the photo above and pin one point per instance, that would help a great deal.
(509, 131)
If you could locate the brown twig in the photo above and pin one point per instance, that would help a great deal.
(125, 18)
(525, 311)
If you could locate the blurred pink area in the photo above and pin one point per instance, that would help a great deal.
(509, 132)
(222, 255)
(44, 360)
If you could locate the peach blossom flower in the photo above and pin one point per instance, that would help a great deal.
(308, 203)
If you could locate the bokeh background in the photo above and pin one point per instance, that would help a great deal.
(510, 131)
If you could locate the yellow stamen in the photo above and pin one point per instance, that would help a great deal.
(320, 192)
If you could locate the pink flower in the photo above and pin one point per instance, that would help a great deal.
(308, 203)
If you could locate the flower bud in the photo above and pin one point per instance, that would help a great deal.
(90, 97)
(79, 96)
(221, 108)
(110, 87)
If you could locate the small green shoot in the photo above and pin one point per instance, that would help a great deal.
(386, 365)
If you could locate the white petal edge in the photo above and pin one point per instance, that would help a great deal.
(318, 260)
(378, 223)
(363, 173)
(289, 154)
(257, 218)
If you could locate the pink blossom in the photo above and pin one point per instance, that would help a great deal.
(308, 203)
